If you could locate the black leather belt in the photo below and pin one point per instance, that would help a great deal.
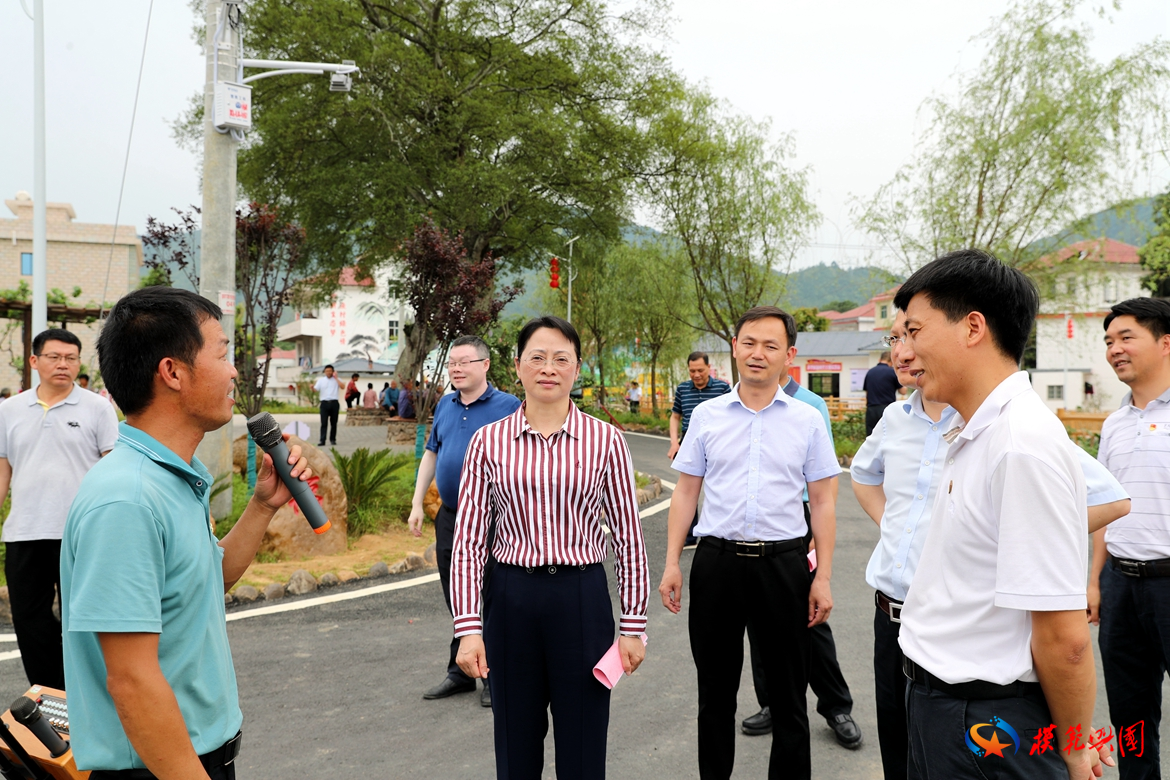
(888, 605)
(1159, 567)
(752, 549)
(221, 756)
(976, 689)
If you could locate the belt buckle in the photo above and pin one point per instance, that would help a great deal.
(758, 549)
(1129, 568)
(232, 748)
(895, 612)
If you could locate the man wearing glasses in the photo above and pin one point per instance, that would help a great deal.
(474, 404)
(49, 438)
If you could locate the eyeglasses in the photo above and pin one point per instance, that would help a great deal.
(560, 362)
(52, 357)
(890, 341)
(452, 365)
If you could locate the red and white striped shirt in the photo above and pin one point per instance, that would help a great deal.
(547, 497)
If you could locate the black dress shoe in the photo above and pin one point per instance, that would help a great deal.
(485, 698)
(847, 731)
(449, 687)
(758, 724)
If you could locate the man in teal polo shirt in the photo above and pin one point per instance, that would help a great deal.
(152, 690)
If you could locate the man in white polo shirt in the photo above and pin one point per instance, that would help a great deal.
(1131, 592)
(895, 475)
(993, 629)
(50, 437)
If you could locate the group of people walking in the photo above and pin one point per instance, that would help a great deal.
(982, 581)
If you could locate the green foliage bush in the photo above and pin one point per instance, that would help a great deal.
(376, 486)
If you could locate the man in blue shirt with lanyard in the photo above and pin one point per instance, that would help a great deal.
(457, 417)
(700, 387)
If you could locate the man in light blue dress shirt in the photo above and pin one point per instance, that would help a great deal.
(754, 450)
(896, 474)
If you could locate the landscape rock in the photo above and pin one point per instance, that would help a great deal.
(414, 562)
(273, 591)
(300, 583)
(403, 432)
(347, 576)
(246, 594)
(288, 533)
(328, 580)
(5, 605)
(379, 569)
(398, 568)
(429, 555)
(228, 598)
(431, 501)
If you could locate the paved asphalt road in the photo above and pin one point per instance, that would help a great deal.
(334, 691)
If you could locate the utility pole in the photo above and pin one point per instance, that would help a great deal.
(217, 271)
(570, 275)
(40, 310)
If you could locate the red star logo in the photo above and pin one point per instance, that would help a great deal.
(994, 747)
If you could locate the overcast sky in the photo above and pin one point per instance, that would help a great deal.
(847, 77)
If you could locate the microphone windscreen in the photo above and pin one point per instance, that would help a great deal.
(23, 709)
(265, 430)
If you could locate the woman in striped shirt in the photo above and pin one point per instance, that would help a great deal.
(554, 483)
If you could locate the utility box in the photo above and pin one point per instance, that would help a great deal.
(233, 106)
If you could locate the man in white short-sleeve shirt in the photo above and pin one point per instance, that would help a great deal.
(993, 629)
(754, 449)
(328, 387)
(1129, 588)
(50, 438)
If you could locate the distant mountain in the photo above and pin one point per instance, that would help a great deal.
(819, 284)
(1133, 224)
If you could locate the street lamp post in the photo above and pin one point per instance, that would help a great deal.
(572, 273)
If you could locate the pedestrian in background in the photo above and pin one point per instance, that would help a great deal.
(881, 388)
(83, 381)
(328, 388)
(406, 400)
(634, 398)
(370, 397)
(474, 404)
(699, 388)
(543, 477)
(352, 393)
(50, 438)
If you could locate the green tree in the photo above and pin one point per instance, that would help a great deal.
(724, 190)
(807, 320)
(1155, 255)
(839, 306)
(500, 120)
(1039, 136)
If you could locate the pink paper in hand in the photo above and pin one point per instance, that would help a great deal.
(812, 559)
(609, 669)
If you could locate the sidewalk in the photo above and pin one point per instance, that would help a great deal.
(372, 437)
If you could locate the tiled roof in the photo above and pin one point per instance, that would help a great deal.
(1105, 250)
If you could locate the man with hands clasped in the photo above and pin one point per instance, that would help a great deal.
(754, 449)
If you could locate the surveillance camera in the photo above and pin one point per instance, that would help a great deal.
(340, 82)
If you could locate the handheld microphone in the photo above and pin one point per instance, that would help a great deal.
(266, 433)
(26, 712)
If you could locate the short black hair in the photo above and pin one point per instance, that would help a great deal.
(356, 376)
(327, 365)
(968, 280)
(54, 334)
(1153, 314)
(554, 323)
(369, 385)
(763, 312)
(691, 358)
(144, 327)
(481, 347)
(83, 376)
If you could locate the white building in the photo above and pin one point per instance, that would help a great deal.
(359, 323)
(1066, 366)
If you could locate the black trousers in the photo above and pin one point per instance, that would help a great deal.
(543, 633)
(728, 593)
(890, 693)
(444, 546)
(215, 773)
(938, 749)
(329, 412)
(1135, 652)
(824, 672)
(33, 569)
(873, 415)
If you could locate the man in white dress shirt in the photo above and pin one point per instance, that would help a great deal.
(1131, 592)
(754, 449)
(994, 632)
(895, 475)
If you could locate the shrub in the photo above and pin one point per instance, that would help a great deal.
(365, 476)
